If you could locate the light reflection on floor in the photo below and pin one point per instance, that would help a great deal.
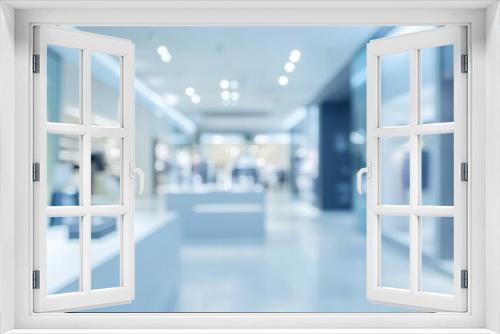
(311, 261)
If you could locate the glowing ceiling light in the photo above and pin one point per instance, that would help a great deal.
(166, 57)
(164, 53)
(289, 67)
(235, 96)
(224, 84)
(195, 99)
(294, 56)
(225, 95)
(189, 91)
(162, 50)
(283, 80)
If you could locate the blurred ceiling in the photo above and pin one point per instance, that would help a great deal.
(200, 57)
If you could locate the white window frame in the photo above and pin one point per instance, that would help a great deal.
(86, 43)
(412, 44)
(483, 45)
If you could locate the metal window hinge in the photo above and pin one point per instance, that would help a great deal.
(465, 64)
(464, 279)
(464, 171)
(36, 63)
(36, 172)
(36, 279)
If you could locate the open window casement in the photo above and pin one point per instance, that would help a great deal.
(417, 167)
(88, 133)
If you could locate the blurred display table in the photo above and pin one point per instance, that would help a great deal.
(207, 212)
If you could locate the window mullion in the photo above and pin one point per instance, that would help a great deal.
(414, 172)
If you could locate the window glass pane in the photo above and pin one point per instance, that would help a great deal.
(437, 254)
(63, 84)
(63, 170)
(106, 90)
(63, 255)
(394, 89)
(436, 84)
(106, 161)
(394, 171)
(437, 169)
(105, 253)
(395, 252)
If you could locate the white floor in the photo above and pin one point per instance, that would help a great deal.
(311, 261)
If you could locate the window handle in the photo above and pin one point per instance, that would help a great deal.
(359, 176)
(140, 173)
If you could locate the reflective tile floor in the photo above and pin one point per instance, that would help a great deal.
(310, 261)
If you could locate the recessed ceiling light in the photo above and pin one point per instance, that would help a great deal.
(190, 91)
(225, 95)
(235, 96)
(283, 80)
(289, 67)
(162, 50)
(294, 56)
(195, 99)
(167, 57)
(233, 84)
(164, 53)
(224, 84)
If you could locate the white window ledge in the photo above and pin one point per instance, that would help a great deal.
(254, 331)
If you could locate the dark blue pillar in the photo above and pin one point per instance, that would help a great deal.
(334, 174)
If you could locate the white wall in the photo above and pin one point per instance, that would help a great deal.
(492, 267)
(7, 168)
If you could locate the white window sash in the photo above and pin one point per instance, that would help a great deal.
(86, 297)
(414, 296)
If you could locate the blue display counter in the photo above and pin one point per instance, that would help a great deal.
(219, 214)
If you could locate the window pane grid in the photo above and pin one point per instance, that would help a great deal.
(62, 112)
(403, 224)
(86, 131)
(434, 105)
(415, 211)
(87, 210)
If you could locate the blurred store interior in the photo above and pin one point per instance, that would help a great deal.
(250, 138)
